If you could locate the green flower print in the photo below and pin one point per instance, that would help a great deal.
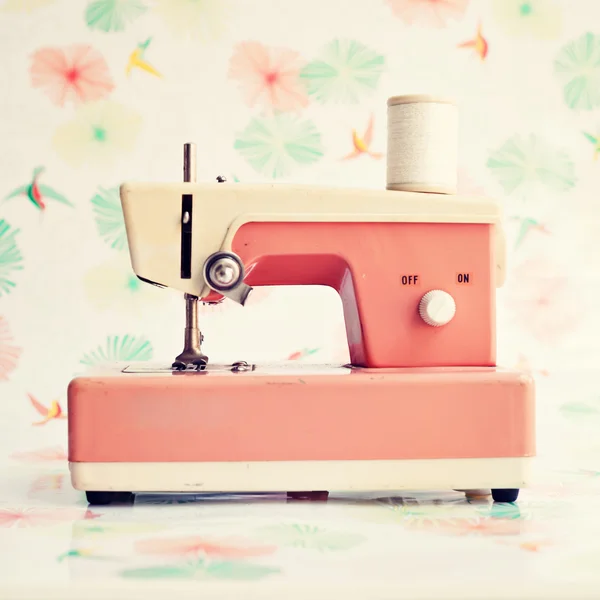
(204, 569)
(117, 349)
(109, 217)
(10, 257)
(310, 537)
(345, 72)
(113, 15)
(581, 408)
(523, 160)
(578, 68)
(273, 146)
(503, 510)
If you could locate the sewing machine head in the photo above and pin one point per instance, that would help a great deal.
(416, 271)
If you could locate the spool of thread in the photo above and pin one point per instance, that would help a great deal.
(422, 152)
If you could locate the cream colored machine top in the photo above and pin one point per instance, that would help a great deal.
(153, 219)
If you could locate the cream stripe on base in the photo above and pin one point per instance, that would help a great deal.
(343, 475)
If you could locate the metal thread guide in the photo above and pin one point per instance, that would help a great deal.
(192, 355)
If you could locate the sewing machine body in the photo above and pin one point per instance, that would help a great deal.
(422, 404)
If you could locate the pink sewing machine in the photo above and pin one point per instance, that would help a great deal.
(422, 404)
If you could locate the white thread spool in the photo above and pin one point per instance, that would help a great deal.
(422, 153)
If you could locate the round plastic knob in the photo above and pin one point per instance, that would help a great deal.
(437, 308)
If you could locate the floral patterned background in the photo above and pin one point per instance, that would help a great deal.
(101, 91)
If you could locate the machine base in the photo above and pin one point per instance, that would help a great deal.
(348, 476)
(282, 429)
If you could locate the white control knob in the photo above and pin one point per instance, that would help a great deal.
(437, 308)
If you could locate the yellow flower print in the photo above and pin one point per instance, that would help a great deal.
(99, 132)
(199, 19)
(114, 285)
(541, 19)
(25, 6)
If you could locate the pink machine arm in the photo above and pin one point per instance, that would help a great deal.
(381, 271)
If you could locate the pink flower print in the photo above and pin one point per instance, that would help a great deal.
(196, 545)
(429, 13)
(481, 527)
(534, 545)
(523, 364)
(542, 300)
(52, 482)
(54, 453)
(269, 77)
(9, 353)
(467, 184)
(74, 74)
(39, 517)
(300, 354)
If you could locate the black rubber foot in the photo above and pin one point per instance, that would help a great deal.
(505, 495)
(308, 496)
(104, 498)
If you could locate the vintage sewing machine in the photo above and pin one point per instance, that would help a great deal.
(422, 404)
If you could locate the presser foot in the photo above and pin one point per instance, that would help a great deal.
(191, 360)
(201, 365)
